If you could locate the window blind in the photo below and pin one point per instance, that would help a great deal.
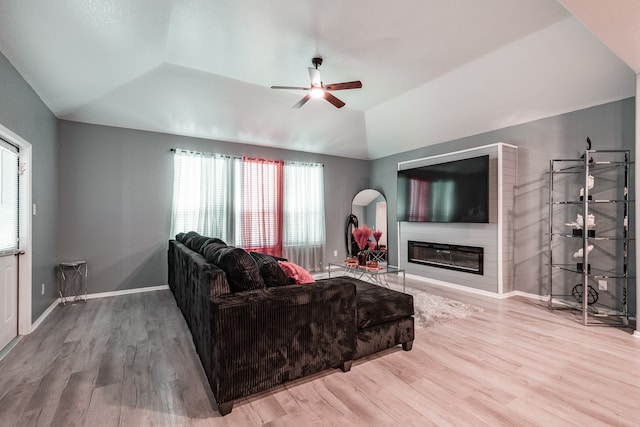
(9, 182)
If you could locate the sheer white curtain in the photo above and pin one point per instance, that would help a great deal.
(304, 224)
(208, 198)
(203, 190)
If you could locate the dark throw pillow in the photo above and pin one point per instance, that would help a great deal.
(189, 237)
(180, 237)
(205, 242)
(210, 251)
(196, 243)
(241, 270)
(270, 270)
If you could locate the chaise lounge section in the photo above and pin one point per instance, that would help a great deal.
(262, 336)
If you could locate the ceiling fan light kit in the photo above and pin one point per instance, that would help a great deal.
(317, 89)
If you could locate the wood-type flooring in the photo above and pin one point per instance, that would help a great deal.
(129, 361)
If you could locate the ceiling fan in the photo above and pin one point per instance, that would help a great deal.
(319, 89)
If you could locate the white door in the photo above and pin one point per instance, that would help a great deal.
(9, 161)
(9, 299)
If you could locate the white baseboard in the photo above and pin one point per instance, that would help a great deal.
(636, 333)
(461, 288)
(7, 349)
(127, 292)
(44, 315)
(480, 291)
(57, 301)
(537, 297)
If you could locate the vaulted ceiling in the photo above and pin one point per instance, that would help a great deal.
(431, 70)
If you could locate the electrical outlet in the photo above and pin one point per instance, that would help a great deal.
(42, 291)
(602, 285)
(335, 253)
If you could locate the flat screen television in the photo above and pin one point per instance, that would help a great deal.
(455, 191)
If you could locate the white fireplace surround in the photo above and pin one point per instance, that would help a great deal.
(495, 237)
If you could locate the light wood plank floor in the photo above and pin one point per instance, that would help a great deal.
(129, 361)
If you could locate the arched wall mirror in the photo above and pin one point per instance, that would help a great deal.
(368, 207)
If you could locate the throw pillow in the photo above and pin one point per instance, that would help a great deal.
(180, 237)
(270, 270)
(297, 273)
(206, 242)
(188, 237)
(196, 243)
(210, 251)
(241, 270)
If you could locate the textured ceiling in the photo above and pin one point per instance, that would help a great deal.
(431, 70)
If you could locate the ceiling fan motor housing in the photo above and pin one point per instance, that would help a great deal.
(318, 90)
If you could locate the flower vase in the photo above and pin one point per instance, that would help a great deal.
(362, 258)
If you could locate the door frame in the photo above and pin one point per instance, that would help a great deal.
(25, 221)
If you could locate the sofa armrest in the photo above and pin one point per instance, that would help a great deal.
(266, 337)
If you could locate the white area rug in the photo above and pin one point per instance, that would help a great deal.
(432, 310)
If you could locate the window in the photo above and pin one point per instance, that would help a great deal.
(8, 198)
(260, 205)
(304, 229)
(261, 211)
(203, 188)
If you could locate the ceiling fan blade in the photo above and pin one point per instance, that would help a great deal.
(302, 101)
(314, 75)
(290, 87)
(332, 99)
(342, 86)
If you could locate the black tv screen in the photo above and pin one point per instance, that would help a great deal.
(455, 191)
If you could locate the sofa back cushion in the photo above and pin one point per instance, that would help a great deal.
(241, 270)
(270, 270)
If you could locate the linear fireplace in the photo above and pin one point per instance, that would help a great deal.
(468, 259)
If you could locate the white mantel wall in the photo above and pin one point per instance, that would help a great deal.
(635, 192)
(496, 237)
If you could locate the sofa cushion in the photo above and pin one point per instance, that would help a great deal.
(376, 305)
(297, 273)
(241, 270)
(271, 272)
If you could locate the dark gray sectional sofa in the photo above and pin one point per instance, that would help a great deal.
(252, 333)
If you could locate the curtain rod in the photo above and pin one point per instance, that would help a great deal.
(202, 153)
(289, 162)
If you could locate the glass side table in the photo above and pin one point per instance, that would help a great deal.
(72, 281)
(376, 275)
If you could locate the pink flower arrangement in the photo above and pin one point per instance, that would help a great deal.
(361, 236)
(376, 235)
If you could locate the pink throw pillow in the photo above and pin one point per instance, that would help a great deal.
(297, 273)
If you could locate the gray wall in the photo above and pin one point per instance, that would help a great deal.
(22, 111)
(116, 195)
(610, 126)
